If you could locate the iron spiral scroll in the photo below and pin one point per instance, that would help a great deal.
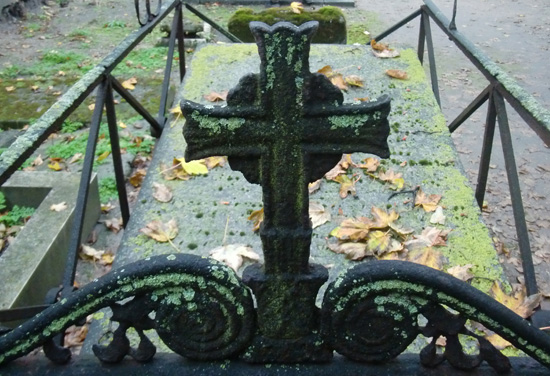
(190, 295)
(370, 314)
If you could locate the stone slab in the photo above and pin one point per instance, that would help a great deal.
(35, 261)
(212, 210)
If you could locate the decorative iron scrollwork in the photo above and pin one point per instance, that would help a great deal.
(149, 16)
(370, 314)
(199, 296)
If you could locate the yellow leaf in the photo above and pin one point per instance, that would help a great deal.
(55, 166)
(379, 241)
(326, 71)
(35, 88)
(428, 202)
(395, 179)
(194, 167)
(497, 341)
(130, 84)
(427, 256)
(352, 229)
(382, 219)
(122, 125)
(338, 81)
(176, 110)
(137, 177)
(160, 231)
(296, 7)
(258, 217)
(519, 303)
(61, 73)
(370, 164)
(396, 73)
(10, 89)
(103, 155)
(347, 185)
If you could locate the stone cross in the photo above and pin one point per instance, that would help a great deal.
(284, 128)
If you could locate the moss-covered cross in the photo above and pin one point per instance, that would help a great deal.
(283, 128)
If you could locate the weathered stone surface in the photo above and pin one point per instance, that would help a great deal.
(204, 206)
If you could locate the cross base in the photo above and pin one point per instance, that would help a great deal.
(287, 317)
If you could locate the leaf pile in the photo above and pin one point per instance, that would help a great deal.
(339, 80)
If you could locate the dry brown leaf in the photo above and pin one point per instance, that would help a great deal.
(114, 224)
(216, 97)
(161, 192)
(161, 231)
(75, 336)
(428, 202)
(353, 229)
(258, 217)
(338, 81)
(347, 185)
(370, 164)
(352, 250)
(234, 255)
(397, 73)
(59, 207)
(430, 237)
(394, 178)
(212, 162)
(519, 303)
(318, 214)
(314, 187)
(137, 177)
(461, 272)
(382, 219)
(378, 46)
(386, 54)
(326, 71)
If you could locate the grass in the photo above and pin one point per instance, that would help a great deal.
(107, 190)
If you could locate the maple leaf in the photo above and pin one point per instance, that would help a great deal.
(461, 272)
(519, 303)
(338, 81)
(370, 164)
(114, 224)
(339, 169)
(396, 73)
(162, 193)
(379, 242)
(258, 217)
(352, 229)
(130, 84)
(234, 255)
(296, 7)
(59, 207)
(314, 187)
(347, 185)
(216, 97)
(160, 231)
(318, 214)
(428, 202)
(394, 178)
(382, 219)
(352, 250)
(430, 237)
(427, 256)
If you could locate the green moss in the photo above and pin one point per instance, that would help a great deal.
(216, 125)
(332, 23)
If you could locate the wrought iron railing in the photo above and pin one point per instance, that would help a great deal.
(426, 289)
(101, 79)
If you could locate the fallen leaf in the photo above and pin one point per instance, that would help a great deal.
(38, 161)
(314, 187)
(352, 229)
(91, 107)
(381, 242)
(318, 214)
(234, 255)
(258, 217)
(396, 73)
(370, 164)
(75, 336)
(352, 250)
(378, 46)
(55, 166)
(114, 224)
(61, 73)
(75, 158)
(10, 89)
(130, 84)
(499, 342)
(461, 272)
(326, 71)
(176, 110)
(519, 303)
(90, 253)
(338, 81)
(428, 202)
(216, 97)
(438, 217)
(364, 99)
(107, 258)
(35, 88)
(122, 125)
(137, 177)
(427, 256)
(394, 178)
(354, 80)
(193, 167)
(347, 185)
(296, 7)
(59, 207)
(103, 156)
(160, 231)
(430, 237)
(339, 169)
(382, 50)
(212, 162)
(162, 193)
(105, 208)
(382, 219)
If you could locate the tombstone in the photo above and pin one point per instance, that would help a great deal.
(284, 128)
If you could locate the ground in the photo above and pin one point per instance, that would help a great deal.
(515, 34)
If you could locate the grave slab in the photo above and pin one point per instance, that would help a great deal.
(35, 261)
(212, 210)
